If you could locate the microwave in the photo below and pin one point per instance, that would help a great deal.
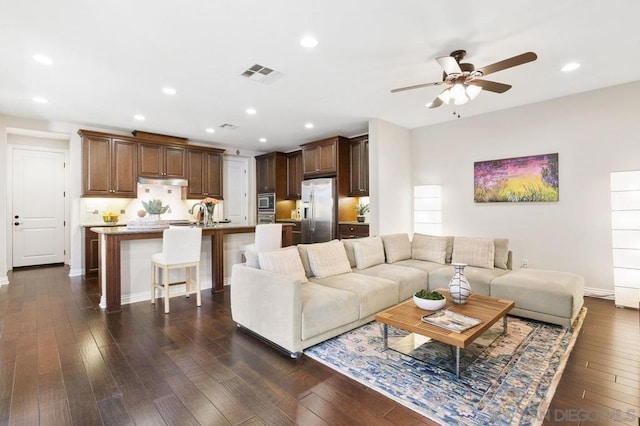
(267, 203)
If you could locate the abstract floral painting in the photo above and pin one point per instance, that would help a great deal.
(521, 179)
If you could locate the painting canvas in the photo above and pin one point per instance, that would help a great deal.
(521, 179)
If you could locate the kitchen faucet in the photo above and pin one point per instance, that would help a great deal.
(205, 214)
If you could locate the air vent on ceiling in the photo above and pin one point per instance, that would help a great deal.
(261, 74)
(228, 126)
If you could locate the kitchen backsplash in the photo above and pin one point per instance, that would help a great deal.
(92, 209)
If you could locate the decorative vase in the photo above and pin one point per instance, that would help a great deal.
(211, 209)
(459, 287)
(360, 218)
(154, 216)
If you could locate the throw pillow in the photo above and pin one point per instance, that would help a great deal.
(429, 248)
(304, 257)
(501, 253)
(474, 252)
(328, 259)
(397, 247)
(348, 248)
(368, 252)
(284, 261)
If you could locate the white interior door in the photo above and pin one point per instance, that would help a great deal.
(38, 207)
(236, 184)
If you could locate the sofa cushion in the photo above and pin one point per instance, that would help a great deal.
(396, 247)
(429, 248)
(474, 252)
(423, 265)
(501, 256)
(348, 248)
(479, 278)
(550, 296)
(325, 308)
(284, 261)
(375, 294)
(368, 252)
(410, 280)
(304, 258)
(327, 259)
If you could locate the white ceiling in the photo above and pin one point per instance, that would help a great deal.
(112, 58)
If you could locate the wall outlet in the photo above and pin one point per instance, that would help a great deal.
(525, 263)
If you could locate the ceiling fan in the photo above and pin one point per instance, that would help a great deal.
(463, 82)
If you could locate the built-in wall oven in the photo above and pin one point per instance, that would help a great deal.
(266, 218)
(267, 208)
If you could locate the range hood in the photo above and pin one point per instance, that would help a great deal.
(162, 181)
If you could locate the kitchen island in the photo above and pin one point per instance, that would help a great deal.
(111, 259)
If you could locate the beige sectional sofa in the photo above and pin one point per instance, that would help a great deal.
(302, 295)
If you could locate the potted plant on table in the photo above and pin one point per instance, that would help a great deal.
(361, 209)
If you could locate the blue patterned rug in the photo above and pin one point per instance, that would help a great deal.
(510, 382)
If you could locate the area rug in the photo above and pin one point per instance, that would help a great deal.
(510, 382)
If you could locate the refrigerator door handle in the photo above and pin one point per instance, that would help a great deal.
(312, 222)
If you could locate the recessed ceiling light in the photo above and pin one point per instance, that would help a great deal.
(40, 100)
(169, 91)
(263, 140)
(572, 66)
(210, 130)
(43, 59)
(139, 117)
(251, 111)
(308, 41)
(309, 125)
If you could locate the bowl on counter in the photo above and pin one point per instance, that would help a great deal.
(110, 218)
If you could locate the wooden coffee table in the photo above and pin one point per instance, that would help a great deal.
(407, 316)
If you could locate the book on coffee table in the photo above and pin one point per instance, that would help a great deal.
(451, 320)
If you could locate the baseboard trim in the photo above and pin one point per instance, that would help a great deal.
(599, 293)
(75, 272)
(4, 280)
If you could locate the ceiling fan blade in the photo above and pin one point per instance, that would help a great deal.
(491, 86)
(417, 86)
(449, 64)
(508, 63)
(435, 103)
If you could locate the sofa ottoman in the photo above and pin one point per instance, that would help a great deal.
(549, 296)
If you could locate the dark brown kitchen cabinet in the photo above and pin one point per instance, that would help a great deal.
(204, 173)
(162, 161)
(91, 250)
(320, 159)
(109, 165)
(348, 230)
(359, 176)
(271, 174)
(294, 175)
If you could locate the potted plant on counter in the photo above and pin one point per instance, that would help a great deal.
(361, 209)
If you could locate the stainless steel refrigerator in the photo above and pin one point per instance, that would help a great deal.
(319, 210)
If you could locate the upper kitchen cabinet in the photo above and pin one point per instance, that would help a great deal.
(359, 155)
(271, 174)
(109, 165)
(294, 175)
(322, 158)
(204, 173)
(162, 161)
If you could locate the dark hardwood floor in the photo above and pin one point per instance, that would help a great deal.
(64, 361)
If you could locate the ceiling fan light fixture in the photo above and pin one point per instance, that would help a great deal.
(473, 91)
(445, 96)
(461, 100)
(457, 91)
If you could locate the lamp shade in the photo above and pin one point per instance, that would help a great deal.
(473, 91)
(457, 91)
(445, 96)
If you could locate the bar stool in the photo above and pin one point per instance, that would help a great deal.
(180, 249)
(268, 237)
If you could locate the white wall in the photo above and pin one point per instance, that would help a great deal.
(594, 133)
(390, 194)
